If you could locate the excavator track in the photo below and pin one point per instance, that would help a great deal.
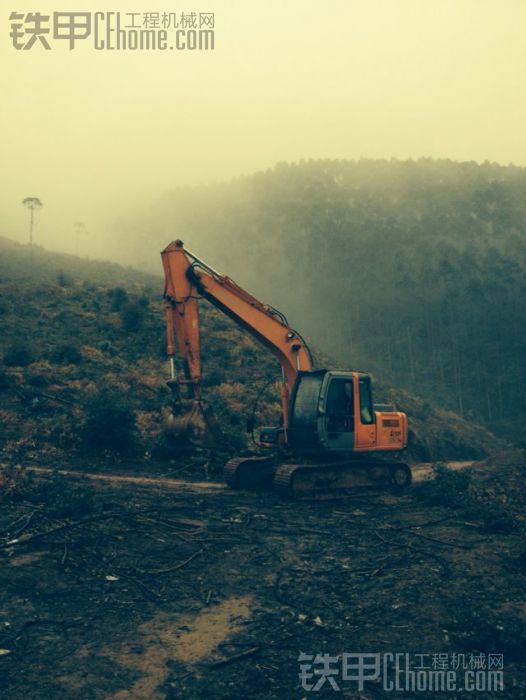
(319, 481)
(248, 472)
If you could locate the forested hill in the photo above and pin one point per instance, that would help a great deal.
(413, 270)
(83, 369)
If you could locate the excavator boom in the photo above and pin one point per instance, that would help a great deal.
(186, 279)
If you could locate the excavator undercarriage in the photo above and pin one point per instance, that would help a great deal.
(314, 480)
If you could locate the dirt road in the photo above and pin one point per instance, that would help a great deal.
(422, 471)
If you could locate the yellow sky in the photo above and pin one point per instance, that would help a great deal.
(93, 132)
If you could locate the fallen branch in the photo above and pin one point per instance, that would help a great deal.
(177, 566)
(235, 657)
(443, 563)
(445, 543)
(9, 528)
(61, 528)
(180, 525)
(152, 595)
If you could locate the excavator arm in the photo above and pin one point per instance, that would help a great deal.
(186, 280)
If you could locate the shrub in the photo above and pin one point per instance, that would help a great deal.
(118, 297)
(66, 354)
(495, 517)
(89, 286)
(109, 423)
(448, 488)
(36, 379)
(14, 482)
(212, 378)
(454, 489)
(132, 315)
(4, 380)
(108, 348)
(18, 356)
(64, 280)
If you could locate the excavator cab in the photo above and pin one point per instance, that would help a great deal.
(333, 411)
(336, 420)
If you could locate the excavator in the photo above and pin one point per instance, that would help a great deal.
(331, 437)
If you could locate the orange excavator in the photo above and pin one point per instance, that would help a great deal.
(331, 437)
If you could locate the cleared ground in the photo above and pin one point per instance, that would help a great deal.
(165, 588)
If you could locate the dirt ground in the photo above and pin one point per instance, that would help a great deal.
(175, 589)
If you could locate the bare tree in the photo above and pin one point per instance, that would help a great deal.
(80, 229)
(31, 203)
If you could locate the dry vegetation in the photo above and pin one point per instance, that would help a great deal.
(83, 371)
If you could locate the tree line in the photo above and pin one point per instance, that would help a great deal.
(412, 270)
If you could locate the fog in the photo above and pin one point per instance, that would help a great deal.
(101, 135)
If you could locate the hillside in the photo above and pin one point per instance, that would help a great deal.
(123, 580)
(84, 370)
(412, 269)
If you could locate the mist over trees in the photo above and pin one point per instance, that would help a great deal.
(412, 270)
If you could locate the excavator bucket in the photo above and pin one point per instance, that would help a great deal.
(192, 424)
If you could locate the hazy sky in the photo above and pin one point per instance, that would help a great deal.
(94, 132)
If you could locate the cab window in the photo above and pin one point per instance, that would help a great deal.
(366, 402)
(339, 407)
